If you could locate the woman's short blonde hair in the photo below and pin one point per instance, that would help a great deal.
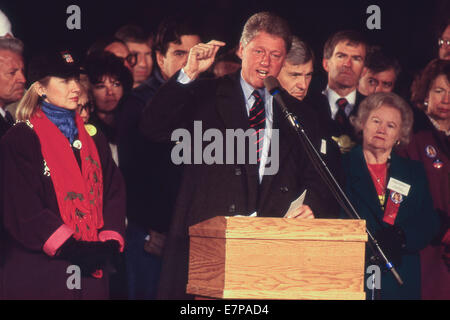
(389, 99)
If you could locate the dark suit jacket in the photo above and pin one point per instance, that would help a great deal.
(4, 126)
(416, 216)
(226, 189)
(334, 127)
(152, 180)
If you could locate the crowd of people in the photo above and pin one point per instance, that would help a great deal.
(87, 176)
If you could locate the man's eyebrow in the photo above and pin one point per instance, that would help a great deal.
(295, 73)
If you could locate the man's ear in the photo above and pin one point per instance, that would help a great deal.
(160, 59)
(325, 65)
(240, 50)
(364, 72)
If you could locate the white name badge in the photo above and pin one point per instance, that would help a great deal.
(398, 186)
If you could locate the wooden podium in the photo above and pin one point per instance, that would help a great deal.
(277, 258)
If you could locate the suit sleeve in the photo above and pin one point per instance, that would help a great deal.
(26, 216)
(168, 110)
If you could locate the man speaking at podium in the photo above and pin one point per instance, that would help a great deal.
(237, 101)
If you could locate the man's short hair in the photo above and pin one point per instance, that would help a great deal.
(100, 44)
(12, 44)
(132, 33)
(269, 23)
(172, 29)
(377, 61)
(300, 52)
(352, 37)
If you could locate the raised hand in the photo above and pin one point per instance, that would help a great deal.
(201, 57)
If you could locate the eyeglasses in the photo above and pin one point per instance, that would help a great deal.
(86, 107)
(131, 59)
(442, 41)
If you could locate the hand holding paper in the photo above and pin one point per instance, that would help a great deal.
(298, 210)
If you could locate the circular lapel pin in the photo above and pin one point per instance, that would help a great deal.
(396, 197)
(438, 164)
(91, 130)
(77, 144)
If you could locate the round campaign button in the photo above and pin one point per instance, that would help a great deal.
(396, 197)
(430, 151)
(438, 164)
(77, 144)
(92, 131)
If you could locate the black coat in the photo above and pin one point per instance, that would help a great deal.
(4, 126)
(226, 189)
(152, 180)
(30, 214)
(334, 127)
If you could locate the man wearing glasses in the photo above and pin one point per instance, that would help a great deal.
(444, 43)
(119, 49)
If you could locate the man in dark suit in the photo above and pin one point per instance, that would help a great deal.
(152, 180)
(12, 78)
(233, 103)
(343, 60)
(295, 77)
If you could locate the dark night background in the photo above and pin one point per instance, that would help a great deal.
(408, 28)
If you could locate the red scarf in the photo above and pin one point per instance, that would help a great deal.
(79, 192)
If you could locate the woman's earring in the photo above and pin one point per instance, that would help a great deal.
(425, 103)
(44, 96)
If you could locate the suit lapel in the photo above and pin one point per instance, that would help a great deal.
(362, 184)
(4, 126)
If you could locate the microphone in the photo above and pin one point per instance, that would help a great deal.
(273, 86)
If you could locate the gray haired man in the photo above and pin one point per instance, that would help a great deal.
(296, 73)
(12, 78)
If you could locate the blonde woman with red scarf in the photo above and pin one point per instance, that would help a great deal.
(62, 197)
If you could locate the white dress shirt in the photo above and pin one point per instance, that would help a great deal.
(333, 97)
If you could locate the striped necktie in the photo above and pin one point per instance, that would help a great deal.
(341, 115)
(257, 119)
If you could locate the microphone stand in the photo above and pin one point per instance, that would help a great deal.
(332, 184)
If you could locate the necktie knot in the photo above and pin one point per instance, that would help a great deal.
(342, 103)
(257, 95)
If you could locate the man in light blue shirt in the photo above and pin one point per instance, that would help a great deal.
(232, 103)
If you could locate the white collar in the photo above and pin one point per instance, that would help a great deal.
(2, 112)
(333, 96)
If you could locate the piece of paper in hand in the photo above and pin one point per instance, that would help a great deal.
(297, 203)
